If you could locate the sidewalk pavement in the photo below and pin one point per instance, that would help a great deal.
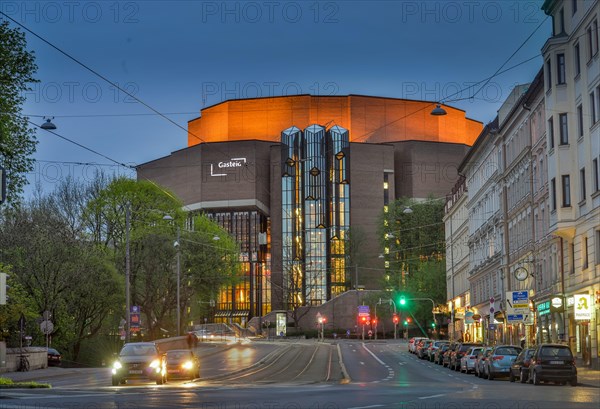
(588, 377)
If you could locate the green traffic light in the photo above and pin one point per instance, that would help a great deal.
(402, 300)
(405, 323)
(433, 324)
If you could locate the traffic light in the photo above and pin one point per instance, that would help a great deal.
(402, 300)
(374, 321)
(396, 319)
(3, 288)
(405, 323)
(363, 320)
(433, 325)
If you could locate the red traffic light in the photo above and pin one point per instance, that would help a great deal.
(408, 319)
(374, 321)
(363, 319)
(396, 319)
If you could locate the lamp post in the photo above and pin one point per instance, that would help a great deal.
(177, 245)
(127, 274)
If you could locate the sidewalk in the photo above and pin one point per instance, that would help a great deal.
(45, 373)
(588, 377)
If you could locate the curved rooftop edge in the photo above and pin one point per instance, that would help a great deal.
(368, 118)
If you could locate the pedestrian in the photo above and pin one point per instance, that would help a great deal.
(190, 340)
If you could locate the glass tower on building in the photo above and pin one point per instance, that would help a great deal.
(315, 213)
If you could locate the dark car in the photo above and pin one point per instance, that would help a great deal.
(499, 361)
(553, 362)
(480, 361)
(448, 354)
(520, 366)
(54, 357)
(458, 353)
(182, 363)
(422, 348)
(438, 356)
(434, 346)
(139, 360)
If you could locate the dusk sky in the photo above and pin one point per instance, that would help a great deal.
(181, 56)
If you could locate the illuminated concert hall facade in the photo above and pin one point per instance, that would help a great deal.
(290, 177)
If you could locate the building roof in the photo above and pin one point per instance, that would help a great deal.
(367, 118)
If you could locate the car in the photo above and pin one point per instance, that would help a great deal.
(434, 346)
(54, 357)
(520, 366)
(480, 361)
(438, 357)
(458, 353)
(139, 360)
(422, 348)
(448, 354)
(499, 361)
(412, 344)
(552, 362)
(467, 362)
(182, 363)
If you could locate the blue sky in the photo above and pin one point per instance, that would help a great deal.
(181, 56)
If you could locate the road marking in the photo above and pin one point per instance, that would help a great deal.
(361, 362)
(366, 407)
(432, 396)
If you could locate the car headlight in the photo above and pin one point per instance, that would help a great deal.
(155, 363)
(188, 365)
(117, 365)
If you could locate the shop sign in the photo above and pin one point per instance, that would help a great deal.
(543, 308)
(469, 317)
(583, 307)
(557, 304)
(570, 301)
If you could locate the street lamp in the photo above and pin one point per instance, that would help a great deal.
(176, 244)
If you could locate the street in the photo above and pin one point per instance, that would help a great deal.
(302, 374)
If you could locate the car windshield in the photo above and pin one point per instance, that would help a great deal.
(558, 352)
(174, 355)
(508, 351)
(138, 350)
(53, 351)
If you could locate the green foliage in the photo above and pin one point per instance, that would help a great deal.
(17, 140)
(416, 255)
(6, 383)
(19, 303)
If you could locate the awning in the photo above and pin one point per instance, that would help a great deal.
(221, 314)
(240, 313)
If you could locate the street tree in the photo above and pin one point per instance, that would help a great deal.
(17, 139)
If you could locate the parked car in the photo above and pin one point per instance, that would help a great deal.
(499, 361)
(520, 366)
(412, 344)
(422, 348)
(139, 360)
(467, 362)
(438, 357)
(553, 362)
(182, 363)
(458, 353)
(480, 361)
(54, 357)
(448, 354)
(434, 346)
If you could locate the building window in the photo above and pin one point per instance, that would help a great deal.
(553, 193)
(560, 69)
(561, 20)
(592, 39)
(551, 133)
(580, 121)
(582, 193)
(566, 191)
(586, 259)
(564, 129)
(592, 109)
(596, 175)
(597, 104)
(573, 7)
(577, 60)
(548, 75)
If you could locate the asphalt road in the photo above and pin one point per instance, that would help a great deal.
(304, 375)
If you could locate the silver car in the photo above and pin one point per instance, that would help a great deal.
(499, 361)
(467, 362)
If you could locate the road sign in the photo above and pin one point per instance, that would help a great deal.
(364, 310)
(517, 302)
(47, 327)
(515, 317)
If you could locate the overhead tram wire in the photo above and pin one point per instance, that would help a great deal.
(96, 73)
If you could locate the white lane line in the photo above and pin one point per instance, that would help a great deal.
(366, 407)
(432, 396)
(361, 362)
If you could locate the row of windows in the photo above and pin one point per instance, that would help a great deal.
(566, 185)
(591, 44)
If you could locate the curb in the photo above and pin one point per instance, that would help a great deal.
(346, 379)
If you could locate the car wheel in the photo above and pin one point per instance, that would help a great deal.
(490, 376)
(536, 378)
(115, 381)
(523, 376)
(159, 380)
(574, 381)
(511, 377)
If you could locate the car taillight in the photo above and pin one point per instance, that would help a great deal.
(497, 358)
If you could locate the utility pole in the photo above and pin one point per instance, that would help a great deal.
(178, 244)
(127, 274)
